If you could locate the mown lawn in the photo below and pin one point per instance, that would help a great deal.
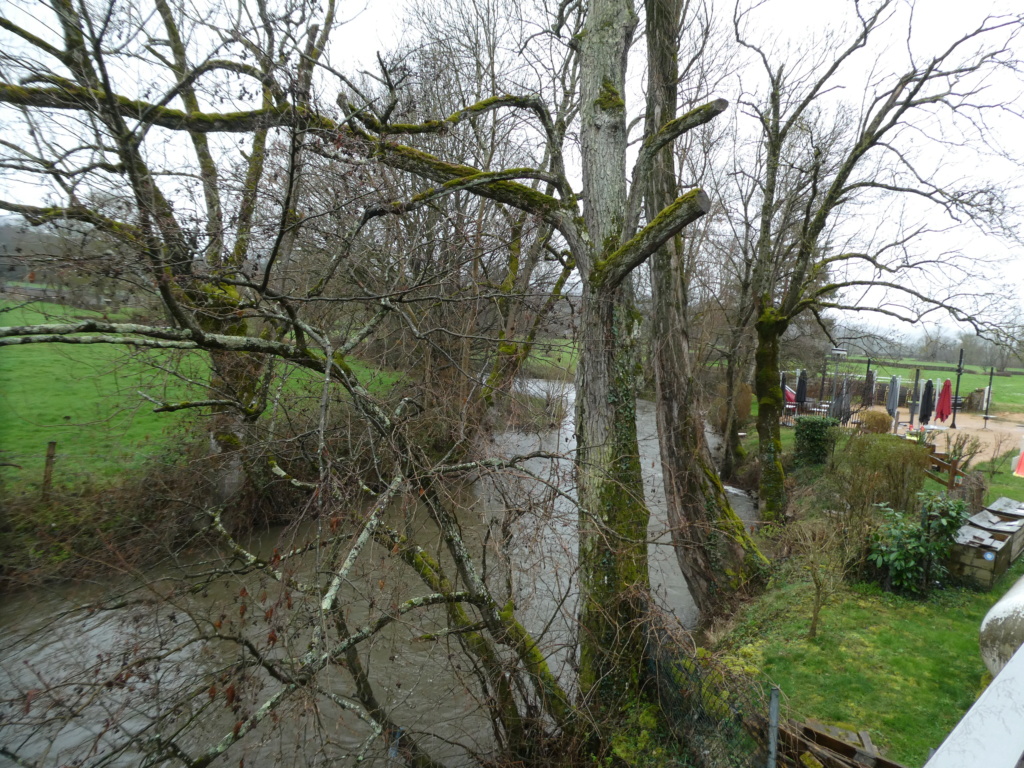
(86, 398)
(902, 669)
(1002, 482)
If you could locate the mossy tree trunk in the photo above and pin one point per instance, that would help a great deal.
(614, 582)
(710, 542)
(770, 404)
(732, 451)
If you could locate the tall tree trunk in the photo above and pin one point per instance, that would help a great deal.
(732, 452)
(737, 365)
(614, 577)
(770, 404)
(704, 527)
(614, 582)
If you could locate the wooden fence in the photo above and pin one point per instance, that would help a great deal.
(945, 470)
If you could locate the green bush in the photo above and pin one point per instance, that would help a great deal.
(909, 551)
(815, 438)
(879, 469)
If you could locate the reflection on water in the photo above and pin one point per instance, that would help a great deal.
(133, 672)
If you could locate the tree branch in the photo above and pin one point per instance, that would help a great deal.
(611, 271)
(653, 144)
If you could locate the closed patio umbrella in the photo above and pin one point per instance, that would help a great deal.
(892, 399)
(927, 402)
(835, 408)
(801, 387)
(944, 406)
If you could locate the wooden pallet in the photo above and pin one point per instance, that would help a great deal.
(813, 744)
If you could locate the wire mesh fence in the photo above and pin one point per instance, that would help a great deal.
(718, 715)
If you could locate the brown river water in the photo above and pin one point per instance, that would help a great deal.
(49, 642)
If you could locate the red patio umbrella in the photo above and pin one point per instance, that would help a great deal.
(944, 407)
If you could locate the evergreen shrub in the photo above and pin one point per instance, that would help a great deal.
(909, 550)
(815, 438)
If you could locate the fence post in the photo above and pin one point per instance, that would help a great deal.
(51, 454)
(773, 727)
(953, 465)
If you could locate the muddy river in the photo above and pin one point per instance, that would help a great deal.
(79, 685)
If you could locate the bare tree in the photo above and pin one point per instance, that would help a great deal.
(815, 162)
(221, 209)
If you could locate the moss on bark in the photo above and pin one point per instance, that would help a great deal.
(770, 403)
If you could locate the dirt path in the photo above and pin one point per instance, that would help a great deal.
(1005, 431)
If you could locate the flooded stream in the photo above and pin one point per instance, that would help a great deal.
(116, 679)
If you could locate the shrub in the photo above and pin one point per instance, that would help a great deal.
(743, 401)
(879, 469)
(909, 551)
(875, 422)
(815, 438)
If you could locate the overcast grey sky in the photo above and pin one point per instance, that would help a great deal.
(373, 25)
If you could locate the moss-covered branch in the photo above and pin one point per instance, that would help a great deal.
(77, 98)
(610, 271)
(654, 143)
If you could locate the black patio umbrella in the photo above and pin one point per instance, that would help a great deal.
(801, 387)
(927, 402)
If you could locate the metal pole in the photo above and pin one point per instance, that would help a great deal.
(913, 396)
(988, 399)
(956, 395)
(773, 727)
(835, 385)
(869, 397)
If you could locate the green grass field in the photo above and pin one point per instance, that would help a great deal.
(85, 398)
(902, 669)
(968, 365)
(552, 359)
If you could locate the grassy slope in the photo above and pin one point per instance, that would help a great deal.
(904, 670)
(84, 398)
(552, 359)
